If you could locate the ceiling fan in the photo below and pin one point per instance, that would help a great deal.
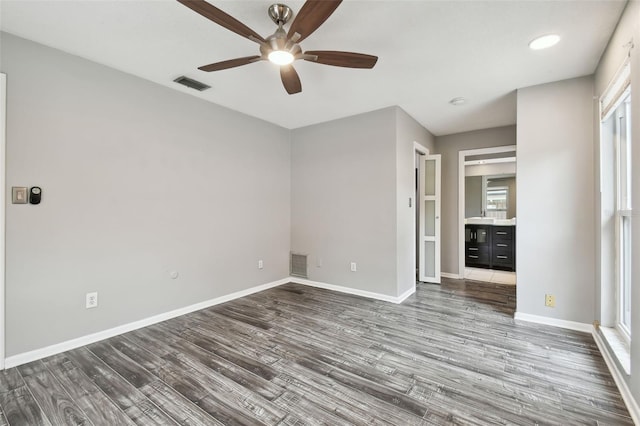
(281, 47)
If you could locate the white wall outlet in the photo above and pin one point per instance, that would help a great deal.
(92, 300)
(354, 267)
(260, 264)
(319, 262)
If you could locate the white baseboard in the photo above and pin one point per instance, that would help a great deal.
(356, 292)
(450, 275)
(618, 377)
(571, 325)
(406, 294)
(37, 354)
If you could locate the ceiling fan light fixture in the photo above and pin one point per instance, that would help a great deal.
(281, 47)
(280, 57)
(544, 42)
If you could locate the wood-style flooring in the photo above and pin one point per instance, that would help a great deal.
(296, 355)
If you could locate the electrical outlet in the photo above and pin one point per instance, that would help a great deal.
(354, 267)
(319, 262)
(550, 300)
(260, 264)
(92, 300)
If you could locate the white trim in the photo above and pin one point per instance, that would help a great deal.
(618, 346)
(627, 396)
(614, 93)
(406, 294)
(3, 206)
(491, 161)
(418, 150)
(354, 291)
(571, 325)
(450, 275)
(423, 150)
(461, 156)
(37, 354)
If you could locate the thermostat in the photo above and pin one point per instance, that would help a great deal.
(35, 195)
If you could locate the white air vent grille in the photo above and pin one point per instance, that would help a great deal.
(298, 265)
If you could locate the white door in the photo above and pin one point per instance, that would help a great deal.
(429, 250)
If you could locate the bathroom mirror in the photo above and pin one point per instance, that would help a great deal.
(491, 196)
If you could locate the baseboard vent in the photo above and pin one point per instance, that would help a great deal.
(298, 265)
(191, 83)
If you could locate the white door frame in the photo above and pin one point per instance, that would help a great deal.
(3, 173)
(418, 151)
(461, 160)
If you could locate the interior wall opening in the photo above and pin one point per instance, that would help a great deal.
(487, 217)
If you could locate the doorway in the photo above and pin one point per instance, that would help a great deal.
(487, 217)
(427, 217)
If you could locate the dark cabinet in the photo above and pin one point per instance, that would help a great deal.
(503, 247)
(477, 249)
(490, 246)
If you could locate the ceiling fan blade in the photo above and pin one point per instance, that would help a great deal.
(290, 79)
(221, 18)
(341, 59)
(231, 63)
(312, 14)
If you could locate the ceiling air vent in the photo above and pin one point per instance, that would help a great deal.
(298, 265)
(189, 82)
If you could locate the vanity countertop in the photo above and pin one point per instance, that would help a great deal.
(490, 221)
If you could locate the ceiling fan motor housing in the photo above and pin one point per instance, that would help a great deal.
(278, 41)
(280, 13)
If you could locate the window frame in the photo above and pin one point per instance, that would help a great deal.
(621, 114)
(615, 131)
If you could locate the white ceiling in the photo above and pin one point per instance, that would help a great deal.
(430, 52)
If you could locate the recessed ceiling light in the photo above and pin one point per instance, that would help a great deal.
(458, 101)
(544, 41)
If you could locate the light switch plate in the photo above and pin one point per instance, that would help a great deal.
(19, 195)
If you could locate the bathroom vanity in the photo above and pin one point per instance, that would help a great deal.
(490, 245)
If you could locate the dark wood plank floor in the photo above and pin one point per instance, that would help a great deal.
(296, 355)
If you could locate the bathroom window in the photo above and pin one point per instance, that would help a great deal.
(497, 198)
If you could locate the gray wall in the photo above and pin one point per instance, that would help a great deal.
(556, 243)
(408, 131)
(472, 196)
(343, 197)
(449, 146)
(613, 57)
(138, 181)
(351, 183)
